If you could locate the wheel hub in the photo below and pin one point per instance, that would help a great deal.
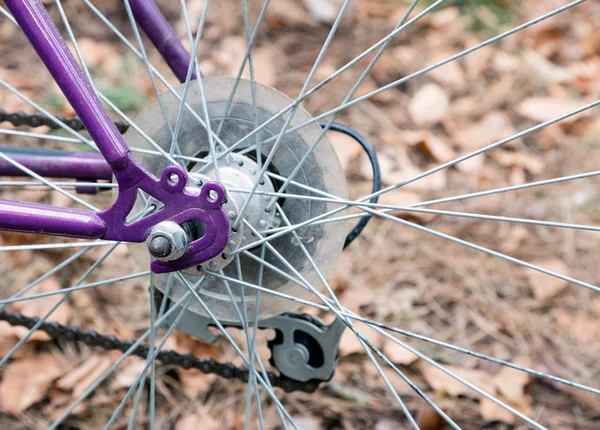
(237, 173)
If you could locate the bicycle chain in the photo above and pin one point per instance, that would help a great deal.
(37, 120)
(187, 361)
(91, 338)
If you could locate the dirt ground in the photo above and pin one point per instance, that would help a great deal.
(392, 273)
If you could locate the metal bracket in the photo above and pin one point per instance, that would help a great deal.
(304, 347)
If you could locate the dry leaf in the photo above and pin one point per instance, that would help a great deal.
(398, 354)
(581, 327)
(202, 420)
(546, 286)
(28, 380)
(491, 411)
(511, 383)
(443, 383)
(428, 105)
(306, 422)
(349, 344)
(41, 306)
(194, 382)
(542, 109)
(493, 127)
(127, 373)
(345, 147)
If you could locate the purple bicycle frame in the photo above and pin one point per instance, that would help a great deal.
(178, 205)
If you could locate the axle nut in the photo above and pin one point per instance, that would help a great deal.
(167, 241)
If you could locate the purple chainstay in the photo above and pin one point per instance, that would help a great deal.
(179, 206)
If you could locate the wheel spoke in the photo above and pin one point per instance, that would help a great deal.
(348, 97)
(259, 378)
(117, 363)
(429, 68)
(290, 117)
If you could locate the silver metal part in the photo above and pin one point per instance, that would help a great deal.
(167, 241)
(304, 347)
(321, 170)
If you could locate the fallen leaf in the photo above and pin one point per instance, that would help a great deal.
(398, 354)
(345, 147)
(511, 382)
(490, 411)
(127, 373)
(546, 286)
(428, 105)
(349, 343)
(306, 422)
(201, 420)
(580, 327)
(194, 382)
(443, 383)
(492, 127)
(542, 109)
(399, 197)
(41, 306)
(28, 380)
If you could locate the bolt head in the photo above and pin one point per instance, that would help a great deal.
(159, 247)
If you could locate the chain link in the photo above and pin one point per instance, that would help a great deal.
(37, 120)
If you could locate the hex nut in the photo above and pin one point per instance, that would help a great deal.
(176, 236)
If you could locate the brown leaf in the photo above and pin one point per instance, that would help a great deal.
(201, 420)
(398, 354)
(428, 105)
(28, 380)
(511, 383)
(491, 411)
(546, 286)
(443, 383)
(195, 383)
(127, 373)
(492, 127)
(41, 306)
(581, 327)
(542, 109)
(399, 197)
(306, 422)
(349, 344)
(345, 147)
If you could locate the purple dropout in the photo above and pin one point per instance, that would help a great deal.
(178, 205)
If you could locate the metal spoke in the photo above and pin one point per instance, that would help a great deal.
(259, 378)
(290, 117)
(40, 178)
(247, 57)
(331, 77)
(39, 136)
(348, 97)
(414, 208)
(50, 116)
(42, 320)
(190, 71)
(429, 68)
(150, 363)
(71, 289)
(424, 174)
(156, 73)
(146, 61)
(47, 246)
(389, 328)
(116, 364)
(338, 314)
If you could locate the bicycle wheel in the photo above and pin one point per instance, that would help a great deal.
(469, 301)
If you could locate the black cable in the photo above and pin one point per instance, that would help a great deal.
(366, 146)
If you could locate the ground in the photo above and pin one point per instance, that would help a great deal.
(393, 273)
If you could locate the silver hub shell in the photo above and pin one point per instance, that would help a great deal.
(321, 170)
